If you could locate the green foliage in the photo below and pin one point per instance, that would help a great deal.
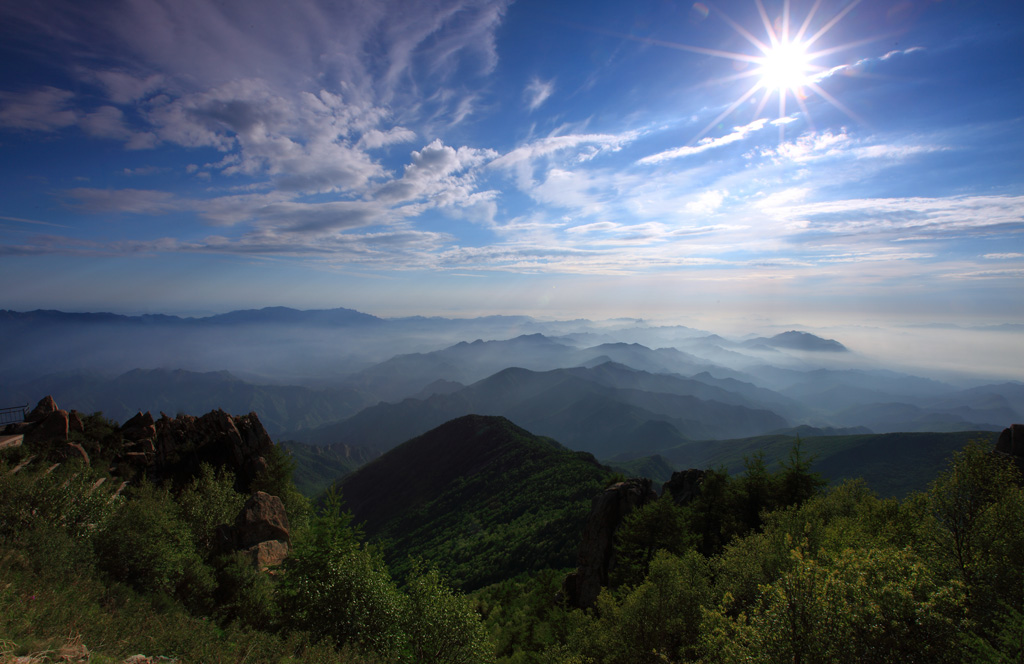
(336, 588)
(796, 482)
(276, 480)
(318, 467)
(208, 501)
(441, 626)
(149, 546)
(1003, 643)
(891, 464)
(67, 498)
(658, 525)
(523, 619)
(729, 507)
(658, 620)
(244, 595)
(763, 567)
(518, 507)
(100, 437)
(876, 605)
(971, 528)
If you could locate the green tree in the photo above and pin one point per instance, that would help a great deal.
(753, 493)
(149, 546)
(658, 525)
(208, 501)
(1004, 642)
(711, 516)
(335, 587)
(658, 620)
(440, 625)
(971, 530)
(876, 605)
(795, 481)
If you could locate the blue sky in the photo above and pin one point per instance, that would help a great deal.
(556, 159)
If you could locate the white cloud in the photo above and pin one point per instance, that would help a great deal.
(783, 198)
(537, 92)
(45, 109)
(592, 228)
(738, 134)
(862, 63)
(439, 172)
(868, 220)
(553, 144)
(108, 122)
(290, 90)
(375, 138)
(707, 202)
(1003, 256)
(134, 201)
(123, 87)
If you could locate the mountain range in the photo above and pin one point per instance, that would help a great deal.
(619, 389)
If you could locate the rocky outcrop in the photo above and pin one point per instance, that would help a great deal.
(684, 486)
(1011, 444)
(261, 531)
(1011, 441)
(164, 449)
(597, 550)
(46, 406)
(45, 430)
(175, 447)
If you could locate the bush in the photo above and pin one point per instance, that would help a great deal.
(149, 546)
(441, 626)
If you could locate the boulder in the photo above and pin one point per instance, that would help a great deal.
(597, 549)
(262, 518)
(140, 427)
(1011, 441)
(260, 531)
(267, 554)
(45, 406)
(47, 428)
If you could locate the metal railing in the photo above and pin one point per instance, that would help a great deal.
(13, 414)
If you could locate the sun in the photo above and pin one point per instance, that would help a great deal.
(784, 61)
(786, 67)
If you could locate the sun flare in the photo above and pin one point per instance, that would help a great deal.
(786, 66)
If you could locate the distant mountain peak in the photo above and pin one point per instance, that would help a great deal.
(796, 340)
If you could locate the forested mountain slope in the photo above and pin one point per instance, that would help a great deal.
(480, 497)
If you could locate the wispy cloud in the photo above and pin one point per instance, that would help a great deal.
(290, 92)
(34, 222)
(44, 109)
(537, 92)
(863, 63)
(737, 134)
(552, 144)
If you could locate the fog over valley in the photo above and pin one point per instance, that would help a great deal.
(620, 388)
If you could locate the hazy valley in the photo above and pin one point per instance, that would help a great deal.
(621, 389)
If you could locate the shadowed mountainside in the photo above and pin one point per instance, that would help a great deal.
(480, 496)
